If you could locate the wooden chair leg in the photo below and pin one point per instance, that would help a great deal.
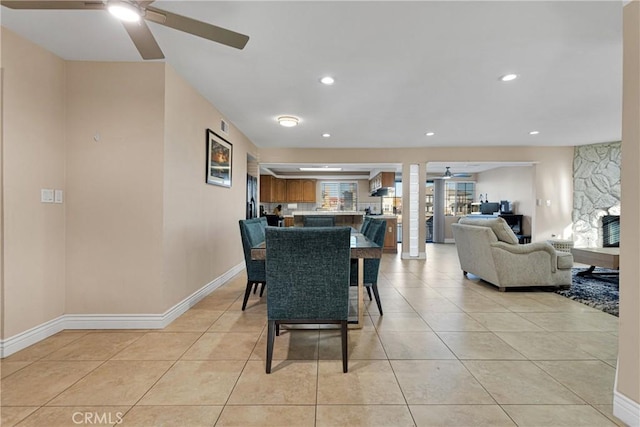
(345, 347)
(255, 288)
(262, 290)
(377, 295)
(247, 292)
(277, 329)
(369, 292)
(270, 339)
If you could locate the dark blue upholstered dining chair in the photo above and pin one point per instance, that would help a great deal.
(365, 224)
(252, 233)
(319, 221)
(375, 232)
(308, 276)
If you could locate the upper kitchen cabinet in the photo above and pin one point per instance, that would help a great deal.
(275, 190)
(281, 190)
(382, 180)
(308, 190)
(267, 188)
(301, 190)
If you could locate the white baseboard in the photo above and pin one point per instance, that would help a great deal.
(112, 321)
(625, 409)
(452, 240)
(421, 255)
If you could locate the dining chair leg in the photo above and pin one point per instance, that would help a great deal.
(255, 287)
(270, 339)
(247, 292)
(345, 346)
(262, 290)
(369, 292)
(377, 295)
(277, 329)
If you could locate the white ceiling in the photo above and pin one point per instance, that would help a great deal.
(401, 68)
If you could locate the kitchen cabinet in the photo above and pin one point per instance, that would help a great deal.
(288, 221)
(281, 190)
(267, 188)
(308, 191)
(382, 180)
(391, 235)
(294, 190)
(275, 190)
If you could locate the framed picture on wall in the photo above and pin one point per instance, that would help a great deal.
(219, 156)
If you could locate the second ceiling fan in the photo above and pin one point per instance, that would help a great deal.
(133, 14)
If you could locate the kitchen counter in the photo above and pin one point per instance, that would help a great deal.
(348, 218)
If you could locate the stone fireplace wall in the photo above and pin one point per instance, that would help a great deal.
(596, 190)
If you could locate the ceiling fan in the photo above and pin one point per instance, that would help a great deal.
(448, 174)
(133, 14)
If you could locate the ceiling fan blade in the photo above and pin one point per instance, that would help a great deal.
(61, 5)
(144, 40)
(197, 28)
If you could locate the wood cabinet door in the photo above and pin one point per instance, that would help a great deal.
(281, 190)
(266, 187)
(309, 190)
(294, 190)
(391, 236)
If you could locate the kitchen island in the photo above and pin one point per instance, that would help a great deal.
(348, 218)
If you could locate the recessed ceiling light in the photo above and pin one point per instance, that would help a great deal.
(320, 169)
(124, 11)
(430, 133)
(326, 135)
(288, 121)
(508, 77)
(534, 132)
(327, 80)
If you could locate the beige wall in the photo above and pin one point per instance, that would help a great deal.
(139, 230)
(514, 184)
(33, 158)
(628, 370)
(552, 177)
(201, 237)
(114, 187)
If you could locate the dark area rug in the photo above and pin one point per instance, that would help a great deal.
(595, 292)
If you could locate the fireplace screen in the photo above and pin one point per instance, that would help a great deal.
(611, 231)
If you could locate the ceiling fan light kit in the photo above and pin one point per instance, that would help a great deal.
(130, 13)
(124, 11)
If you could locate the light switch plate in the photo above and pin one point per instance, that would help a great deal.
(46, 195)
(58, 196)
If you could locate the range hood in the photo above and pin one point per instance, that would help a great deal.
(383, 192)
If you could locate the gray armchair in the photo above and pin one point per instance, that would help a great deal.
(489, 249)
(308, 276)
(252, 233)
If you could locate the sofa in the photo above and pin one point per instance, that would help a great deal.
(489, 249)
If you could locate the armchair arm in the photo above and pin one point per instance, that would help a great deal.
(529, 248)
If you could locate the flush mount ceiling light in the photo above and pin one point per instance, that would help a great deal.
(326, 135)
(430, 133)
(534, 132)
(124, 11)
(320, 169)
(327, 80)
(288, 121)
(508, 77)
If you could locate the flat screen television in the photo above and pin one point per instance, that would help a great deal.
(489, 208)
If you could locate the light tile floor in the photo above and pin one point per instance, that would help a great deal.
(449, 351)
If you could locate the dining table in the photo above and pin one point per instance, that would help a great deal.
(361, 248)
